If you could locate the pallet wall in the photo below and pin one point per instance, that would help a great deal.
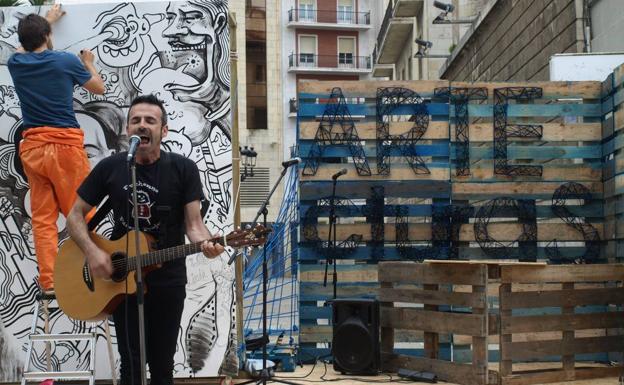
(445, 170)
(613, 142)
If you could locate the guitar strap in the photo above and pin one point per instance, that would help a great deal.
(165, 213)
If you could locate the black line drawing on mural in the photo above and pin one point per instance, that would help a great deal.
(178, 51)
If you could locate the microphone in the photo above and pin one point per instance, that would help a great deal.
(339, 174)
(134, 142)
(289, 163)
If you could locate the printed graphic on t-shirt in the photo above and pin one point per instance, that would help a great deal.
(146, 197)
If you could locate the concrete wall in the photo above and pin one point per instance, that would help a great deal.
(607, 24)
(514, 41)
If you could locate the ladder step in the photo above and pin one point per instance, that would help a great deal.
(61, 337)
(83, 375)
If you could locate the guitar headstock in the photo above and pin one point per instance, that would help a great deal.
(247, 237)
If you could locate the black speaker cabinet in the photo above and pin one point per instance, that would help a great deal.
(355, 342)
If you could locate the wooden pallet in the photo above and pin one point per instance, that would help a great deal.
(588, 320)
(406, 285)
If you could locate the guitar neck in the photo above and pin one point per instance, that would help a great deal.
(169, 254)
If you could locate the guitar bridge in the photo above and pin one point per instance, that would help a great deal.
(86, 277)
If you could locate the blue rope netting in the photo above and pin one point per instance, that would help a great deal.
(282, 285)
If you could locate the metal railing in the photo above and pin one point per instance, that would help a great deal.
(375, 55)
(304, 60)
(305, 15)
(385, 23)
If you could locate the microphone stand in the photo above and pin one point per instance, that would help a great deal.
(139, 275)
(265, 375)
(331, 238)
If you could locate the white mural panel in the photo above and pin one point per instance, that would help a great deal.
(178, 51)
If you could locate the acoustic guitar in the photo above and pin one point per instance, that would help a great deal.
(84, 297)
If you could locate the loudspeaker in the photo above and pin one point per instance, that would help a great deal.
(355, 342)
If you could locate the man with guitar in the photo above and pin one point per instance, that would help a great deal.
(169, 194)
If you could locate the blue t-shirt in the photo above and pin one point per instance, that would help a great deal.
(44, 82)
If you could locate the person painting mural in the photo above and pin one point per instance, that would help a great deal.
(51, 151)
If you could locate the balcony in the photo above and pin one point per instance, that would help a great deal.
(319, 19)
(347, 64)
(395, 31)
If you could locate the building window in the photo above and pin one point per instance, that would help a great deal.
(345, 59)
(260, 74)
(307, 51)
(306, 10)
(346, 51)
(345, 11)
(260, 118)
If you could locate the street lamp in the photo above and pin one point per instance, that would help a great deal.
(248, 158)
(446, 9)
(423, 47)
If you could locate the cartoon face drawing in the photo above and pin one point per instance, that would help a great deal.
(182, 117)
(191, 35)
(125, 45)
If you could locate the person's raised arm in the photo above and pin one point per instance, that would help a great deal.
(54, 14)
(95, 84)
(197, 231)
(99, 261)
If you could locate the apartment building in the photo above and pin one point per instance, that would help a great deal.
(322, 40)
(398, 56)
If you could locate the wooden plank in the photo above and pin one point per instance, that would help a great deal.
(431, 297)
(497, 230)
(544, 323)
(484, 171)
(539, 349)
(544, 377)
(347, 273)
(323, 333)
(431, 339)
(397, 172)
(410, 272)
(368, 89)
(459, 340)
(480, 343)
(316, 291)
(512, 189)
(577, 297)
(568, 332)
(579, 273)
(387, 333)
(505, 365)
(432, 321)
(444, 370)
(478, 132)
(362, 189)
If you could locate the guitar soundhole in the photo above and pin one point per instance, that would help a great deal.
(119, 267)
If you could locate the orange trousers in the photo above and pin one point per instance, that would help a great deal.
(55, 164)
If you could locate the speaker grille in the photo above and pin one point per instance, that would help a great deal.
(353, 345)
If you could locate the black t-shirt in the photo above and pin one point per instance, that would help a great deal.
(161, 200)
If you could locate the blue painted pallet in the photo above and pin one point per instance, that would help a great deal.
(475, 111)
(593, 209)
(448, 149)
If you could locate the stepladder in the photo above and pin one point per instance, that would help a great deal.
(49, 354)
